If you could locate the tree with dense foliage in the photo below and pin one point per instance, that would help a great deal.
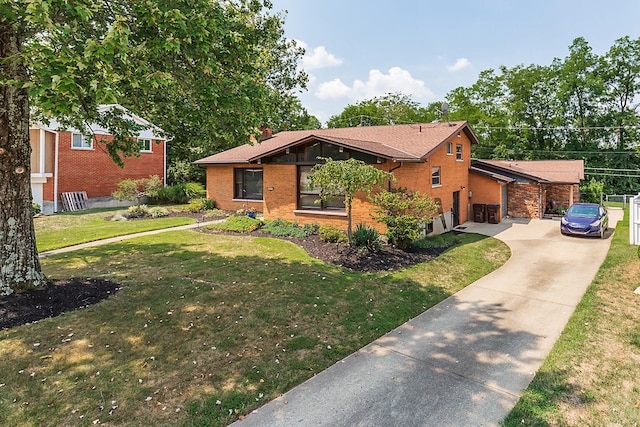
(136, 189)
(393, 108)
(404, 213)
(584, 106)
(346, 178)
(205, 71)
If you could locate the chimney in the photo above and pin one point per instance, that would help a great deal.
(266, 133)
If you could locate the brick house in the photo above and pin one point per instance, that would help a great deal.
(63, 160)
(526, 189)
(271, 176)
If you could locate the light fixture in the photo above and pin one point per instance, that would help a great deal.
(341, 150)
(287, 151)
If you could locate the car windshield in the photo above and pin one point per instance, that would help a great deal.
(583, 210)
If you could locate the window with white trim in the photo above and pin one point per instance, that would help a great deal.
(79, 142)
(435, 176)
(449, 148)
(458, 151)
(145, 144)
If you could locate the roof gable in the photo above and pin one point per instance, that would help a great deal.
(411, 143)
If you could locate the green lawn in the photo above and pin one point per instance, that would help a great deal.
(208, 327)
(72, 228)
(591, 376)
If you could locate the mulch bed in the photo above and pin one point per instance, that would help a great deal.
(57, 297)
(60, 296)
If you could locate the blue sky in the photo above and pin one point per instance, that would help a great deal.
(358, 49)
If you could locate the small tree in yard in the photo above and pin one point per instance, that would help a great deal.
(403, 213)
(136, 189)
(346, 178)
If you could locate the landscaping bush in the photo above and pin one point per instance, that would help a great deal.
(35, 209)
(332, 234)
(158, 212)
(404, 214)
(238, 224)
(136, 211)
(201, 204)
(282, 228)
(367, 237)
(178, 193)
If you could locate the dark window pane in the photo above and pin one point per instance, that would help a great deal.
(334, 152)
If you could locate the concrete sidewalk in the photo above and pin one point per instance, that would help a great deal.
(125, 237)
(465, 361)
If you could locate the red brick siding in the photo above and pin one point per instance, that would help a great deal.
(524, 200)
(486, 191)
(93, 170)
(560, 195)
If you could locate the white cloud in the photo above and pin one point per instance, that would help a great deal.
(378, 84)
(333, 90)
(460, 64)
(318, 58)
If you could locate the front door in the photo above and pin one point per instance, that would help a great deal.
(455, 209)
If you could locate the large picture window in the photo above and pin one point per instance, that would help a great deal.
(309, 196)
(248, 184)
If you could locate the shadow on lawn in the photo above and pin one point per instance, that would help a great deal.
(209, 317)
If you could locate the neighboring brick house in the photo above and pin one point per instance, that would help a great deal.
(526, 189)
(64, 161)
(271, 176)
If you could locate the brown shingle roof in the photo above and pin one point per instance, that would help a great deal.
(559, 171)
(398, 142)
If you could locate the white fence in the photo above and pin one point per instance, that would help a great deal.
(634, 220)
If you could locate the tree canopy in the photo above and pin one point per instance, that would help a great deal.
(207, 72)
(584, 106)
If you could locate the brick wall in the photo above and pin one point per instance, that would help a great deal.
(95, 172)
(560, 195)
(524, 200)
(486, 191)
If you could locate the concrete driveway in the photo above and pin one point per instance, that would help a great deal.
(465, 361)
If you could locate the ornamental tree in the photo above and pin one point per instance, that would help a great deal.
(346, 178)
(136, 189)
(404, 213)
(223, 66)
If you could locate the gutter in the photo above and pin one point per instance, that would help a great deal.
(391, 170)
(55, 174)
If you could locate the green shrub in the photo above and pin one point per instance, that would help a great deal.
(367, 237)
(137, 212)
(238, 224)
(202, 204)
(158, 212)
(35, 209)
(178, 193)
(404, 214)
(332, 234)
(281, 228)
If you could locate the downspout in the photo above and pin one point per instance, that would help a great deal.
(55, 174)
(391, 170)
(540, 207)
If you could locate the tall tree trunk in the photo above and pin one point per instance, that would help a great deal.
(19, 262)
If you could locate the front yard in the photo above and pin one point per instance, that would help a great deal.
(208, 327)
